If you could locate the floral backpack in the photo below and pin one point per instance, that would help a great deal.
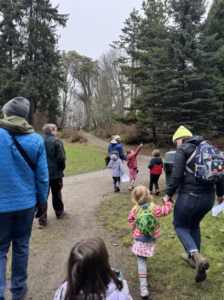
(146, 221)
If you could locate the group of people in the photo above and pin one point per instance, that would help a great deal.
(117, 157)
(30, 165)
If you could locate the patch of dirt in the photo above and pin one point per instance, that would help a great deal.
(50, 247)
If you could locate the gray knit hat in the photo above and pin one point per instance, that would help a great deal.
(18, 106)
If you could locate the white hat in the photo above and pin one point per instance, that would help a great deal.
(116, 137)
(113, 142)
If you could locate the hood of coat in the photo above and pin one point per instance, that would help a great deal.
(195, 140)
(114, 157)
(16, 125)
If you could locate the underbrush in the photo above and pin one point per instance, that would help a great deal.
(168, 275)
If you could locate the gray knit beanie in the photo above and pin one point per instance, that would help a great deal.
(18, 106)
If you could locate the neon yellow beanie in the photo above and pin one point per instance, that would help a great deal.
(181, 132)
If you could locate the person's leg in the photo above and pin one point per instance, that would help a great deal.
(6, 229)
(115, 187)
(118, 180)
(129, 186)
(206, 203)
(142, 273)
(156, 182)
(132, 183)
(43, 218)
(56, 187)
(23, 221)
(151, 183)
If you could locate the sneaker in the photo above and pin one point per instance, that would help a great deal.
(41, 226)
(130, 188)
(118, 189)
(144, 291)
(156, 192)
(150, 193)
(62, 215)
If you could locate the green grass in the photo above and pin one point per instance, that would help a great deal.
(79, 160)
(171, 277)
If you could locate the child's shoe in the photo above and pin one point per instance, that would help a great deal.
(115, 189)
(130, 188)
(150, 193)
(118, 189)
(144, 291)
(156, 192)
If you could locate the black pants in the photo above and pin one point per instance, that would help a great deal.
(55, 185)
(153, 180)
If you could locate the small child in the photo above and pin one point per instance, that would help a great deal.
(89, 275)
(155, 166)
(117, 169)
(144, 246)
(132, 165)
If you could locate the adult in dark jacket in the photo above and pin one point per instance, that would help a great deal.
(56, 164)
(115, 145)
(194, 201)
(21, 189)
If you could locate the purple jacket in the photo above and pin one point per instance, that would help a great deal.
(112, 293)
(116, 166)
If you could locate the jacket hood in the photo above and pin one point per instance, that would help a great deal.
(16, 125)
(114, 157)
(195, 140)
(113, 142)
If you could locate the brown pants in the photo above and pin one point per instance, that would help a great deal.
(55, 185)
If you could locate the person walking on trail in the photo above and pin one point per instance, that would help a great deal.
(144, 245)
(115, 145)
(117, 169)
(24, 183)
(56, 164)
(156, 169)
(133, 166)
(89, 274)
(194, 200)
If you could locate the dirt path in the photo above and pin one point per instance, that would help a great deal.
(50, 247)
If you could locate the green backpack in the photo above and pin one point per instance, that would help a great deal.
(146, 221)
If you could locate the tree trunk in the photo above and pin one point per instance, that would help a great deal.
(31, 112)
(154, 137)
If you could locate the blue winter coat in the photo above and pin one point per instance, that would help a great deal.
(20, 187)
(117, 147)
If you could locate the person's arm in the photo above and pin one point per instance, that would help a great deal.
(121, 153)
(42, 176)
(60, 153)
(178, 171)
(151, 163)
(125, 290)
(137, 150)
(162, 211)
(220, 188)
(110, 164)
(131, 219)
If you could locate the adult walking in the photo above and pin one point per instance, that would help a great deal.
(24, 183)
(56, 164)
(194, 200)
(115, 145)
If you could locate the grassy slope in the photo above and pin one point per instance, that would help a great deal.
(168, 275)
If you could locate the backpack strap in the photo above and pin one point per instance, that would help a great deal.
(188, 161)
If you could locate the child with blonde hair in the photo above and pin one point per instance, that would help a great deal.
(144, 246)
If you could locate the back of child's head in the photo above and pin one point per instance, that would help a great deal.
(115, 152)
(89, 271)
(156, 153)
(140, 196)
(128, 151)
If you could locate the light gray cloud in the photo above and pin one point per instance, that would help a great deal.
(93, 24)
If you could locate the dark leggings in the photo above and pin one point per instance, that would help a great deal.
(116, 179)
(154, 180)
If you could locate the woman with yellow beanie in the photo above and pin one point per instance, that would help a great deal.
(194, 200)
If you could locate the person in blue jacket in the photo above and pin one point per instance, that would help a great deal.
(21, 189)
(115, 145)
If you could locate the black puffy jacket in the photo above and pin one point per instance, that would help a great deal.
(183, 179)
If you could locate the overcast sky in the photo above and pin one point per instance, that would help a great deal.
(93, 24)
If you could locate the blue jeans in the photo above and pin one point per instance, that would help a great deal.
(15, 227)
(189, 210)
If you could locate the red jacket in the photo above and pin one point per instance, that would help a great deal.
(132, 161)
(156, 166)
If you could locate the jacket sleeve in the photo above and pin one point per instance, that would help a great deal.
(137, 150)
(151, 163)
(162, 211)
(125, 291)
(131, 218)
(42, 176)
(220, 188)
(121, 153)
(110, 164)
(60, 153)
(178, 171)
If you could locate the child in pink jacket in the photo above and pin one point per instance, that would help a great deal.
(133, 166)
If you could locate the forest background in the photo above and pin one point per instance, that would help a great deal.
(166, 70)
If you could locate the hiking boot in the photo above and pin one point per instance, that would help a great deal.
(41, 226)
(188, 259)
(62, 215)
(144, 291)
(22, 297)
(201, 266)
(129, 188)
